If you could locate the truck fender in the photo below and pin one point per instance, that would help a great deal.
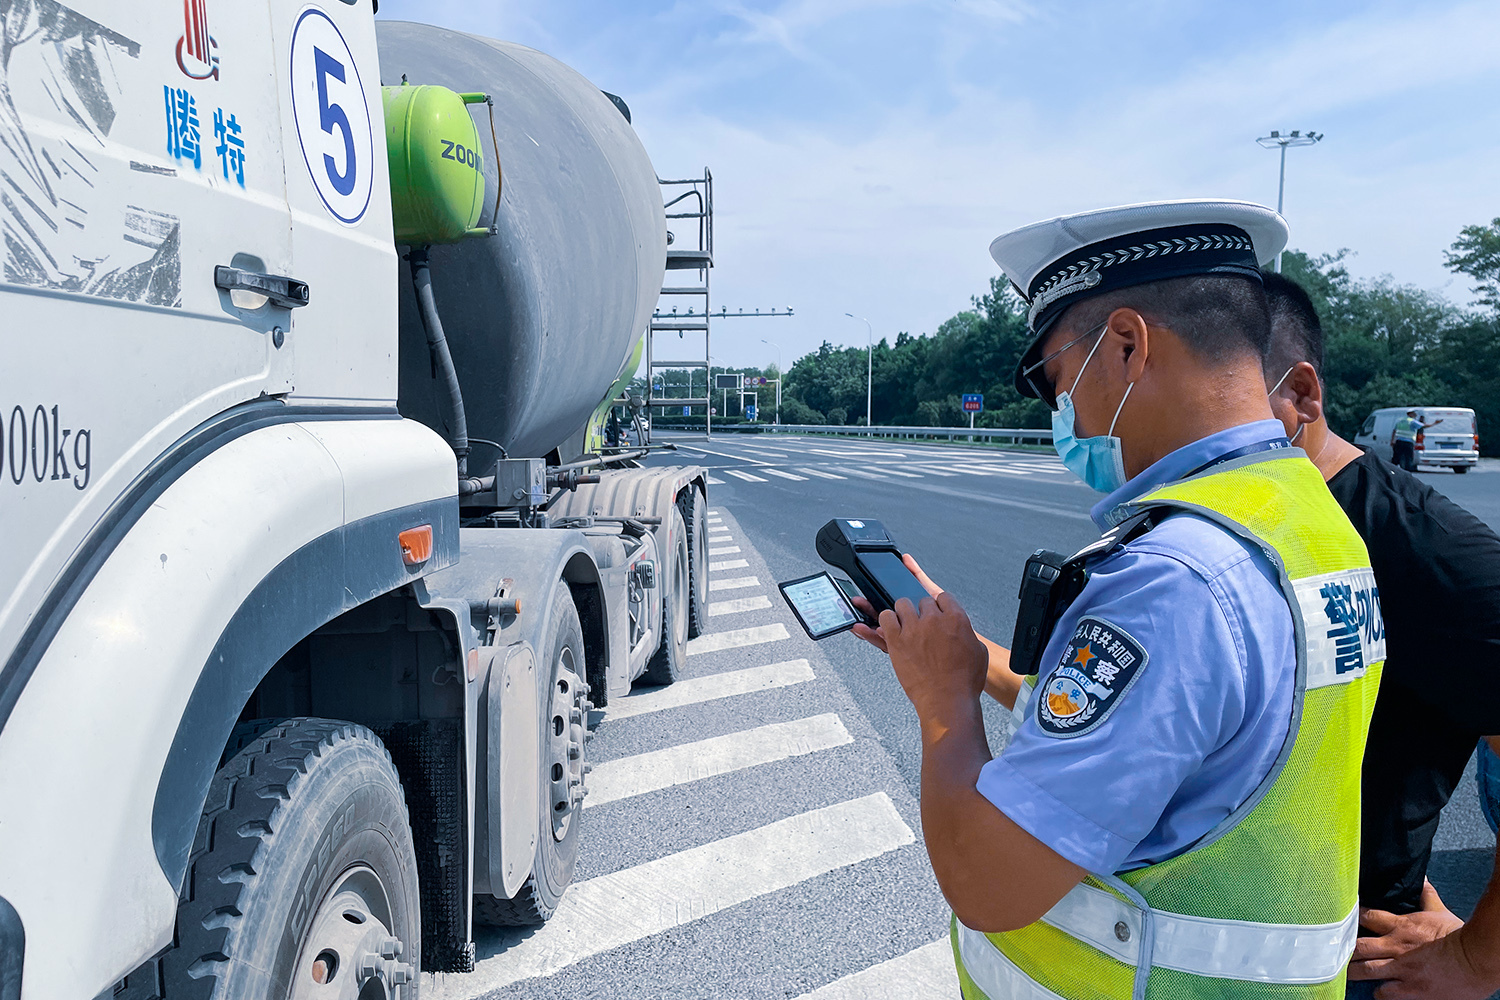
(528, 565)
(254, 544)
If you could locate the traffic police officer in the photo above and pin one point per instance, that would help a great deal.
(1176, 813)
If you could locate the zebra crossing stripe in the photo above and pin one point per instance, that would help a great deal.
(724, 550)
(711, 688)
(738, 605)
(924, 974)
(934, 471)
(820, 474)
(736, 638)
(863, 474)
(651, 772)
(612, 910)
(715, 482)
(724, 564)
(747, 477)
(897, 472)
(784, 475)
(734, 583)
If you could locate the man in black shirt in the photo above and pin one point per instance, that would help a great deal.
(1438, 570)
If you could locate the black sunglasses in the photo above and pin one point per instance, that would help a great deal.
(1040, 384)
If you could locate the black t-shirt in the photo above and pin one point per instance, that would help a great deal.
(1438, 571)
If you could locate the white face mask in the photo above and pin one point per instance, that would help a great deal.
(1300, 426)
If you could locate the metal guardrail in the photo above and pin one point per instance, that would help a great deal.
(1013, 435)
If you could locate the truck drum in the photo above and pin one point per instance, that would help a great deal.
(563, 734)
(666, 663)
(302, 875)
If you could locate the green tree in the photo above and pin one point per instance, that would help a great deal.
(1476, 253)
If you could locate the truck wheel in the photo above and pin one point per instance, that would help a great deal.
(694, 507)
(665, 664)
(563, 737)
(302, 875)
(1461, 469)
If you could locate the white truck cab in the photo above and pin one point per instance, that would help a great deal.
(264, 663)
(1451, 440)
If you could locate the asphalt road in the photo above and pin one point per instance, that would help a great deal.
(753, 830)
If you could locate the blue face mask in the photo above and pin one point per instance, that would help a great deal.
(1098, 460)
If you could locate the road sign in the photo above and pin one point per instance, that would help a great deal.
(687, 411)
(756, 380)
(731, 381)
(973, 402)
(750, 412)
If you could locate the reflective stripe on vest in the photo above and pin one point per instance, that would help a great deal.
(1268, 896)
(1222, 949)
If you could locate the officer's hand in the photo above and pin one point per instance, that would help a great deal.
(939, 661)
(874, 636)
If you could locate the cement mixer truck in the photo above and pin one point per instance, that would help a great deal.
(316, 563)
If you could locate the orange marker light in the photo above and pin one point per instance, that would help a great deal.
(416, 545)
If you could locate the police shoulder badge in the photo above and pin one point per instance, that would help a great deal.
(1099, 664)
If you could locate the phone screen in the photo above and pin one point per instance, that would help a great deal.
(820, 605)
(892, 575)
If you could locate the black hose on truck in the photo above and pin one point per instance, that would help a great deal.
(442, 358)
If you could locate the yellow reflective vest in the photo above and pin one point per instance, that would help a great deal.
(1265, 905)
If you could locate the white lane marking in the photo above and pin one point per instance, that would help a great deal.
(613, 910)
(711, 688)
(745, 476)
(863, 474)
(715, 510)
(723, 564)
(897, 472)
(784, 475)
(718, 528)
(736, 583)
(715, 482)
(821, 474)
(727, 454)
(857, 452)
(738, 605)
(651, 772)
(933, 471)
(716, 519)
(736, 638)
(760, 451)
(724, 550)
(972, 470)
(924, 974)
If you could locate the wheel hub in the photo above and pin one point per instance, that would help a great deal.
(567, 733)
(349, 952)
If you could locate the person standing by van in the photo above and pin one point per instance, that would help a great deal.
(1438, 571)
(1404, 439)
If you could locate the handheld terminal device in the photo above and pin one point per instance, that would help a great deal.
(864, 550)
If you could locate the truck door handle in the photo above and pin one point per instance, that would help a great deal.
(288, 293)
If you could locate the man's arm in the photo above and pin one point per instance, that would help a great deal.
(1431, 954)
(974, 847)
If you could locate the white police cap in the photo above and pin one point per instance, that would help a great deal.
(1055, 263)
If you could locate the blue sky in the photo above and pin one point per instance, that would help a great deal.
(865, 152)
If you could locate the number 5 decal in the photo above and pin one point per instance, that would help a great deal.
(332, 116)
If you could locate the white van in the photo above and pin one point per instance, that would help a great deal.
(1452, 440)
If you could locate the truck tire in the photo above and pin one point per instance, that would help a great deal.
(1460, 469)
(665, 664)
(302, 868)
(563, 730)
(694, 507)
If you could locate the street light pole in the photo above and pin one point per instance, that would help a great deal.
(779, 376)
(1276, 139)
(869, 365)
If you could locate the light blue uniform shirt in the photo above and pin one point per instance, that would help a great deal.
(1203, 720)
